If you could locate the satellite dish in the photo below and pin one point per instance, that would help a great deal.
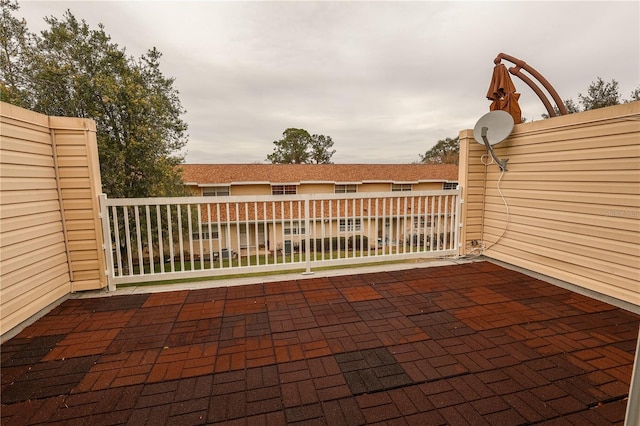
(499, 125)
(491, 129)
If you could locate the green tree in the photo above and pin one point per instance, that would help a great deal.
(635, 95)
(571, 106)
(320, 148)
(446, 151)
(15, 45)
(600, 95)
(297, 146)
(74, 70)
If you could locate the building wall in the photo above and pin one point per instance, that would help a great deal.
(388, 232)
(319, 188)
(250, 189)
(50, 238)
(428, 186)
(374, 187)
(315, 188)
(572, 191)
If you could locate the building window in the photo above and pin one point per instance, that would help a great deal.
(215, 191)
(344, 189)
(420, 222)
(295, 228)
(283, 189)
(350, 225)
(401, 187)
(205, 233)
(450, 185)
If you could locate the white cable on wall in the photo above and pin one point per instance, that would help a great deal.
(506, 208)
(478, 250)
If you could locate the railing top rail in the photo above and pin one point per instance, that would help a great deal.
(271, 198)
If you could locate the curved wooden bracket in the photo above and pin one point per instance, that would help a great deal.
(519, 64)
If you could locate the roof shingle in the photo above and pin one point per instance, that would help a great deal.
(334, 173)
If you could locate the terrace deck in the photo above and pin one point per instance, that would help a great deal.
(464, 344)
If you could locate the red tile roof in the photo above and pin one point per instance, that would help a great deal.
(333, 173)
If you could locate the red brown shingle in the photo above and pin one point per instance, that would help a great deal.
(334, 173)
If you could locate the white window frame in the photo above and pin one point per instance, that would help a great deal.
(216, 191)
(205, 232)
(284, 189)
(449, 186)
(422, 222)
(297, 229)
(346, 188)
(350, 225)
(401, 187)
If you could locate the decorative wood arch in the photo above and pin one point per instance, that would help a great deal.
(520, 64)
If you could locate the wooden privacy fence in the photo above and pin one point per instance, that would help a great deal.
(50, 237)
(569, 205)
(157, 239)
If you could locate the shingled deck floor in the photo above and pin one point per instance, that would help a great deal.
(463, 344)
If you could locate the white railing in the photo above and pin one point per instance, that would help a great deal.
(156, 239)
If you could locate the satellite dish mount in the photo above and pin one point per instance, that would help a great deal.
(491, 129)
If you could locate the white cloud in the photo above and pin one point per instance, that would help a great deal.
(386, 80)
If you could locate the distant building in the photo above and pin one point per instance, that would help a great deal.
(280, 179)
(259, 231)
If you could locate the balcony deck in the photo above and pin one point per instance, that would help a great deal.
(473, 343)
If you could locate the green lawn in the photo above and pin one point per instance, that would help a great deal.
(296, 261)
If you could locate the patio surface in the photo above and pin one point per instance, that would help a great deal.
(465, 344)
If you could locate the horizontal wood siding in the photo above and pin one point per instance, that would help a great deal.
(33, 264)
(572, 193)
(79, 181)
(50, 239)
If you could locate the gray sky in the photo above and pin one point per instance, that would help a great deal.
(386, 80)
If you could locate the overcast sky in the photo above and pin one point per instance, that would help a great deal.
(386, 80)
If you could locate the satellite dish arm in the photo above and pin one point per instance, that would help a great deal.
(501, 163)
(523, 65)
